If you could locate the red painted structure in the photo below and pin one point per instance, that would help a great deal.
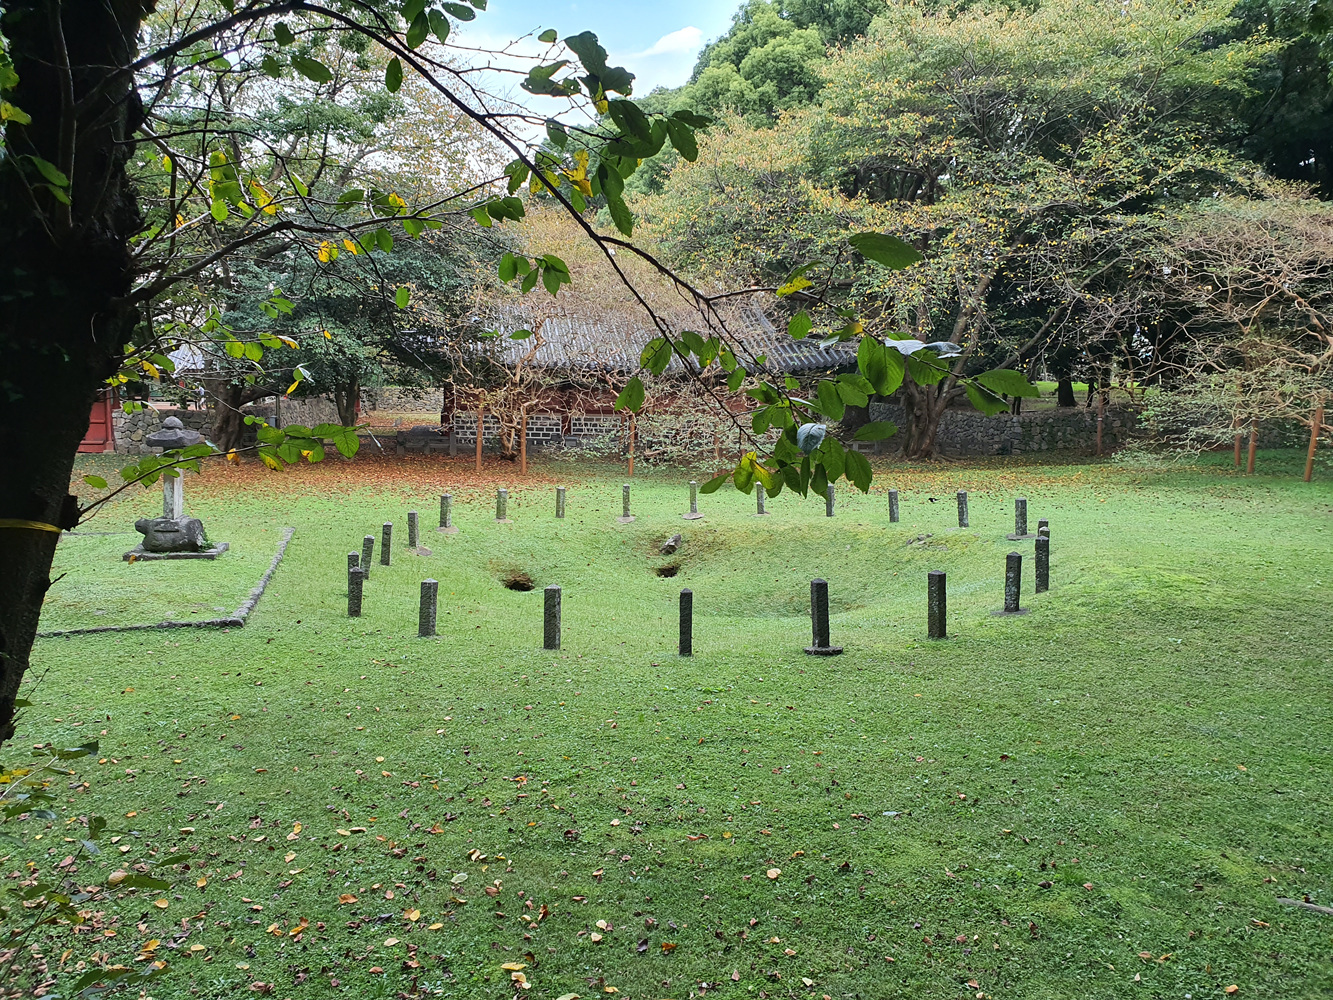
(101, 434)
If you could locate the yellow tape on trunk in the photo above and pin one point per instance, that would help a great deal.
(18, 522)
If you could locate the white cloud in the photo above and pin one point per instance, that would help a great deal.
(685, 40)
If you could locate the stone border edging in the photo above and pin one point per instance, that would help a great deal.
(236, 620)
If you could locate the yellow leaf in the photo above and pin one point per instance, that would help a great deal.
(346, 898)
(412, 915)
(115, 878)
(352, 248)
(201, 881)
(151, 369)
(773, 872)
(514, 966)
(291, 856)
(276, 466)
(291, 388)
(161, 904)
(434, 927)
(262, 198)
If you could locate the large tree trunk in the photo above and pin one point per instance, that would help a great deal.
(347, 399)
(63, 272)
(1064, 393)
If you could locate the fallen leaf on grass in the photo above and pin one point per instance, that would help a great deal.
(346, 898)
(514, 966)
(161, 904)
(668, 946)
(773, 872)
(412, 915)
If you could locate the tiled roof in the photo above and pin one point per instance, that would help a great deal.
(614, 340)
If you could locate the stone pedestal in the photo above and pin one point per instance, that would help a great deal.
(625, 516)
(819, 624)
(694, 514)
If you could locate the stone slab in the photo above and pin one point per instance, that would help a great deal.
(137, 554)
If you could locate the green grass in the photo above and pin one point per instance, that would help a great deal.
(1153, 740)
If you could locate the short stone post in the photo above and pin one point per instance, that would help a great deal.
(413, 538)
(962, 508)
(1013, 584)
(355, 578)
(367, 554)
(936, 604)
(1020, 520)
(353, 560)
(559, 501)
(625, 517)
(447, 514)
(819, 624)
(828, 500)
(386, 539)
(694, 514)
(687, 622)
(502, 507)
(759, 510)
(893, 506)
(1043, 572)
(551, 618)
(1044, 527)
(426, 616)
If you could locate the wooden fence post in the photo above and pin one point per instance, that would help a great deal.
(523, 444)
(481, 424)
(1254, 443)
(1315, 425)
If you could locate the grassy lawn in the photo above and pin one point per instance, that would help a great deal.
(1103, 798)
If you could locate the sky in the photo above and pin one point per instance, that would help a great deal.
(657, 41)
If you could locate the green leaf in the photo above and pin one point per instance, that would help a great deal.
(692, 119)
(72, 753)
(439, 25)
(393, 75)
(460, 11)
(270, 66)
(143, 882)
(631, 397)
(530, 281)
(621, 215)
(520, 335)
(682, 137)
(984, 400)
(218, 209)
(50, 171)
(312, 69)
(715, 484)
(418, 30)
(832, 457)
(402, 296)
(631, 120)
(885, 249)
(851, 394)
(97, 482)
(411, 8)
(876, 430)
(283, 34)
(384, 240)
(508, 269)
(656, 355)
(857, 469)
(1009, 382)
(556, 133)
(735, 379)
(830, 403)
(873, 365)
(923, 373)
(548, 36)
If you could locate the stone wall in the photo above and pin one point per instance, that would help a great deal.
(395, 399)
(969, 432)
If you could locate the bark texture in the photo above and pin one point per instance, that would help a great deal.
(63, 272)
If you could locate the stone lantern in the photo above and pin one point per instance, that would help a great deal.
(173, 535)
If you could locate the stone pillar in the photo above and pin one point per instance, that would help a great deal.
(386, 543)
(694, 514)
(426, 616)
(413, 540)
(447, 514)
(687, 622)
(355, 578)
(1044, 527)
(625, 517)
(1020, 519)
(551, 618)
(353, 560)
(819, 624)
(893, 506)
(828, 500)
(502, 506)
(559, 501)
(936, 605)
(1043, 573)
(759, 500)
(962, 508)
(1013, 584)
(173, 496)
(367, 554)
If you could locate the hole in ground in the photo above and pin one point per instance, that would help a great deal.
(518, 581)
(671, 570)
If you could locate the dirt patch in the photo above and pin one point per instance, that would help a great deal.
(670, 570)
(518, 580)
